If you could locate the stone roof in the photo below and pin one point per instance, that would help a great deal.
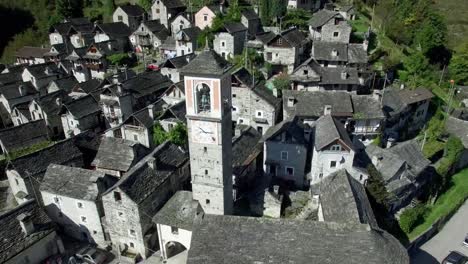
(357, 54)
(173, 4)
(293, 36)
(366, 107)
(71, 182)
(328, 130)
(158, 29)
(395, 101)
(81, 107)
(25, 135)
(40, 71)
(234, 27)
(133, 10)
(409, 96)
(114, 30)
(118, 154)
(142, 180)
(88, 86)
(265, 37)
(331, 76)
(207, 63)
(250, 14)
(31, 52)
(344, 200)
(14, 241)
(192, 33)
(312, 104)
(144, 84)
(179, 211)
(292, 126)
(458, 128)
(23, 109)
(243, 76)
(236, 239)
(12, 91)
(245, 148)
(36, 163)
(410, 151)
(169, 44)
(323, 51)
(321, 17)
(178, 62)
(10, 77)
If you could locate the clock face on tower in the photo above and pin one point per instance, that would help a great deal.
(204, 132)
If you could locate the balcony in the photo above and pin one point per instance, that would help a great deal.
(93, 66)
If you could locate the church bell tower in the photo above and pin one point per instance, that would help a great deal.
(208, 102)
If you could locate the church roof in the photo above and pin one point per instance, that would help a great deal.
(207, 63)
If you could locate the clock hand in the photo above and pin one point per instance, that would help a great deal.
(202, 130)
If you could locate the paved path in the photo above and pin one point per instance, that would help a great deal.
(450, 238)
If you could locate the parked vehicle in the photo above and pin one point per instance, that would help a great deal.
(455, 257)
(153, 67)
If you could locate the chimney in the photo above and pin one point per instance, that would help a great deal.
(58, 101)
(237, 131)
(344, 75)
(153, 163)
(21, 89)
(327, 110)
(291, 101)
(376, 161)
(275, 92)
(26, 223)
(151, 111)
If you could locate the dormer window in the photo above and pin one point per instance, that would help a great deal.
(203, 98)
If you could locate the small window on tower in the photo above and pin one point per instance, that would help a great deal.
(206, 172)
(174, 230)
(117, 196)
(207, 201)
(205, 149)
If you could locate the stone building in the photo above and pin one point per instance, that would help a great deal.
(322, 18)
(72, 199)
(47, 107)
(187, 40)
(150, 34)
(230, 40)
(305, 4)
(253, 105)
(165, 10)
(39, 75)
(19, 114)
(26, 172)
(204, 17)
(95, 58)
(31, 55)
(73, 33)
(132, 202)
(251, 20)
(15, 95)
(181, 21)
(208, 103)
(117, 31)
(29, 236)
(286, 152)
(130, 15)
(77, 61)
(80, 115)
(171, 68)
(175, 94)
(332, 149)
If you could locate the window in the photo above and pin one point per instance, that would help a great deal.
(360, 177)
(205, 17)
(158, 11)
(132, 245)
(117, 196)
(336, 34)
(280, 41)
(174, 230)
(94, 232)
(40, 116)
(79, 205)
(120, 18)
(207, 201)
(36, 107)
(289, 171)
(259, 114)
(234, 109)
(260, 130)
(132, 232)
(223, 54)
(84, 219)
(306, 72)
(223, 44)
(205, 149)
(332, 164)
(17, 182)
(336, 148)
(234, 95)
(241, 121)
(120, 214)
(56, 200)
(135, 137)
(206, 172)
(284, 155)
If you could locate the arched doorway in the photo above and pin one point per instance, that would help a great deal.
(174, 248)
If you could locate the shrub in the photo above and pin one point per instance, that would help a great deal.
(411, 217)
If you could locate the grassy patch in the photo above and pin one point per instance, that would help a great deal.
(25, 151)
(361, 24)
(432, 147)
(447, 203)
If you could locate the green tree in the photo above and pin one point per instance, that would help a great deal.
(119, 59)
(458, 66)
(265, 14)
(146, 4)
(278, 8)
(282, 82)
(416, 65)
(234, 12)
(159, 135)
(69, 8)
(432, 33)
(178, 135)
(411, 217)
(109, 7)
(298, 18)
(376, 188)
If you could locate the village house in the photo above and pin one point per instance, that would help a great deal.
(171, 68)
(404, 169)
(129, 210)
(20, 114)
(187, 40)
(129, 14)
(117, 31)
(23, 136)
(172, 115)
(305, 4)
(80, 115)
(286, 151)
(348, 12)
(406, 111)
(205, 16)
(283, 50)
(65, 84)
(73, 33)
(368, 119)
(29, 236)
(96, 57)
(175, 94)
(335, 54)
(333, 150)
(174, 223)
(88, 87)
(26, 172)
(253, 105)
(150, 34)
(165, 10)
(31, 55)
(57, 52)
(12, 95)
(168, 48)
(41, 74)
(71, 198)
(230, 40)
(322, 18)
(181, 21)
(302, 241)
(251, 20)
(77, 61)
(116, 156)
(47, 107)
